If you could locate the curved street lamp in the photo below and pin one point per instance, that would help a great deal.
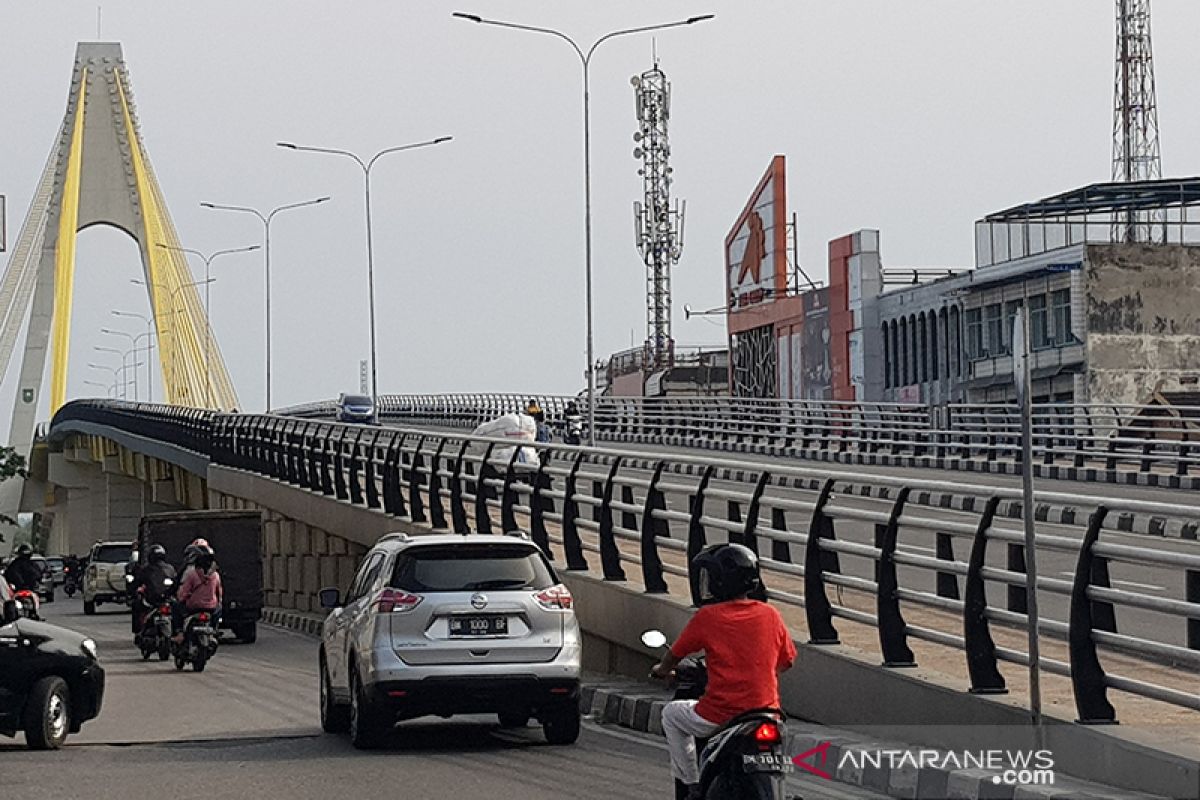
(266, 221)
(366, 168)
(585, 59)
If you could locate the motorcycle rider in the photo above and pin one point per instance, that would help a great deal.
(572, 423)
(746, 645)
(151, 579)
(200, 590)
(23, 572)
(539, 417)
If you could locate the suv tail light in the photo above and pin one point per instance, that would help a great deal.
(396, 601)
(557, 597)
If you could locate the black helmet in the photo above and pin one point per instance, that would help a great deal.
(24, 550)
(724, 572)
(156, 554)
(204, 560)
(195, 550)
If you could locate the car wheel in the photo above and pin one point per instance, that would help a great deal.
(247, 632)
(48, 714)
(334, 718)
(561, 726)
(513, 719)
(89, 607)
(365, 727)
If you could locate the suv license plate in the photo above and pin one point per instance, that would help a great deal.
(479, 626)
(767, 762)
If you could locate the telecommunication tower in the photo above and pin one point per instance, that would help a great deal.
(658, 226)
(1136, 154)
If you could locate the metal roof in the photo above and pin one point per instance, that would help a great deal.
(1107, 197)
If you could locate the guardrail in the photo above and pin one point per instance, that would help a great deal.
(1089, 442)
(651, 512)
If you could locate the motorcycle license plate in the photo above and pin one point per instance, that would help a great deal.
(202, 629)
(479, 626)
(767, 762)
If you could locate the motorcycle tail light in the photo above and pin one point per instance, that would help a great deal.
(164, 609)
(767, 733)
(557, 597)
(396, 601)
(202, 617)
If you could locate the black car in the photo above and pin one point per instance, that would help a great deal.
(50, 680)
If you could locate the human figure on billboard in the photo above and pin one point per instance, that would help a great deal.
(756, 250)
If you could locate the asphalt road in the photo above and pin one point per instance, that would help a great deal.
(247, 727)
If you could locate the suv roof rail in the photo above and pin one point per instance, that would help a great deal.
(398, 536)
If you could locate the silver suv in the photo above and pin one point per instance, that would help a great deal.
(448, 624)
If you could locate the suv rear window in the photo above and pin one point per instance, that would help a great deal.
(113, 554)
(471, 567)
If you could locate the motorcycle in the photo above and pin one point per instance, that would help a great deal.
(155, 634)
(573, 430)
(199, 641)
(27, 603)
(70, 580)
(744, 758)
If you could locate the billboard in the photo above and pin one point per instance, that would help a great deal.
(756, 247)
(817, 366)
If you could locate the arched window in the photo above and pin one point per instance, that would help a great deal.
(904, 349)
(887, 358)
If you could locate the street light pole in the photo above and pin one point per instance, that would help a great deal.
(149, 333)
(366, 168)
(133, 340)
(124, 354)
(585, 59)
(208, 259)
(174, 333)
(266, 221)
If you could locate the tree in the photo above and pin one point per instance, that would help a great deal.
(12, 464)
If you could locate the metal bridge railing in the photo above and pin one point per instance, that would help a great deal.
(1104, 442)
(649, 512)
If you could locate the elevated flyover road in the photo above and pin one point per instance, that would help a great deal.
(247, 728)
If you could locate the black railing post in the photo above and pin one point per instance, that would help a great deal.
(483, 518)
(437, 513)
(537, 519)
(893, 640)
(947, 582)
(1018, 601)
(571, 542)
(696, 537)
(652, 528)
(977, 636)
(325, 460)
(817, 609)
(1087, 675)
(369, 475)
(356, 492)
(1192, 595)
(458, 509)
(508, 495)
(610, 555)
(749, 537)
(781, 551)
(414, 483)
(339, 466)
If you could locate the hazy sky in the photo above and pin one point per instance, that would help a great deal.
(915, 118)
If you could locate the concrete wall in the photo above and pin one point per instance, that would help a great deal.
(1143, 320)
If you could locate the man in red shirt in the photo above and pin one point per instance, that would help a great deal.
(746, 645)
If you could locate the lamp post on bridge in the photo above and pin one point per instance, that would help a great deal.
(124, 354)
(110, 389)
(366, 168)
(120, 384)
(149, 334)
(208, 259)
(133, 343)
(174, 334)
(585, 59)
(266, 221)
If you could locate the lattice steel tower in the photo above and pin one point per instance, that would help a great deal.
(658, 226)
(1135, 110)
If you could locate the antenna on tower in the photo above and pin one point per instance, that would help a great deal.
(658, 226)
(1136, 154)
